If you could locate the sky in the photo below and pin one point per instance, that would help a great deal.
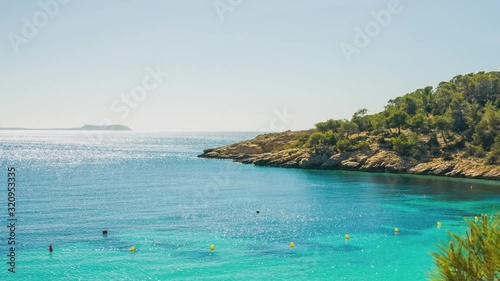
(230, 65)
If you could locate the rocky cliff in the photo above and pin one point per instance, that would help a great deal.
(277, 150)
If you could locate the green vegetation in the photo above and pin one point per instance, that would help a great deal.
(494, 154)
(405, 145)
(473, 256)
(459, 116)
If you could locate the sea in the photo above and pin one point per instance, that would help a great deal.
(150, 191)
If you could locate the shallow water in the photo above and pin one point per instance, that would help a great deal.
(151, 191)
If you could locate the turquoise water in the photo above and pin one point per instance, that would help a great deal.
(150, 190)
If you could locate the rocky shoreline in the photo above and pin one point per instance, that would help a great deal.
(268, 150)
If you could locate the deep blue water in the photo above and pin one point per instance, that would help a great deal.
(152, 192)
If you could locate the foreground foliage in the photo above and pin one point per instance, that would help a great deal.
(474, 256)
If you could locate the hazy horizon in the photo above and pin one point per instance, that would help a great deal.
(239, 66)
(132, 130)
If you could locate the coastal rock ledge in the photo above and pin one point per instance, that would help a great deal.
(276, 150)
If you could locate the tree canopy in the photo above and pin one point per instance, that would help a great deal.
(464, 112)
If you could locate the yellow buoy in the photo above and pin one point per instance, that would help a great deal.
(347, 237)
(132, 249)
(212, 248)
(292, 244)
(438, 224)
(396, 230)
(476, 218)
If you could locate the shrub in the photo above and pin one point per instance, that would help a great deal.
(381, 140)
(404, 145)
(419, 154)
(360, 145)
(433, 139)
(303, 138)
(493, 159)
(479, 153)
(291, 145)
(331, 138)
(343, 144)
(435, 151)
(316, 139)
(447, 156)
(476, 151)
(470, 150)
(494, 155)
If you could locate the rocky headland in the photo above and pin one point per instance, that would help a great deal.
(452, 130)
(273, 150)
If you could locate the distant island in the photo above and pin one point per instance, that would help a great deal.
(84, 128)
(452, 130)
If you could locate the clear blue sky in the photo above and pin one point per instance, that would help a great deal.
(229, 75)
